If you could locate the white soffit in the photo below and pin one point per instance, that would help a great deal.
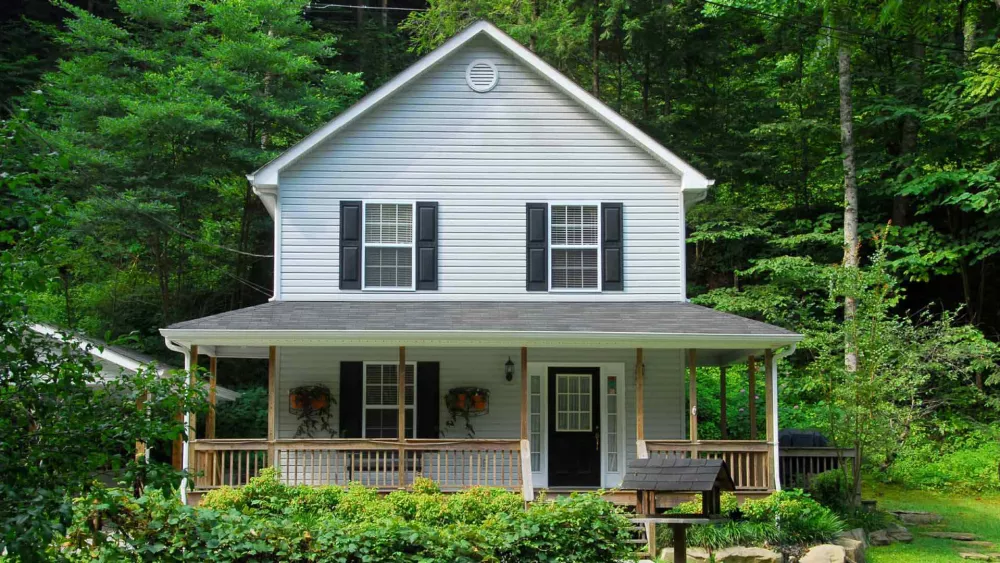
(265, 179)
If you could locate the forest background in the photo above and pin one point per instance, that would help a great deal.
(854, 143)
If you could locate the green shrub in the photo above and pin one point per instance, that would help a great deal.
(782, 518)
(832, 489)
(968, 463)
(267, 521)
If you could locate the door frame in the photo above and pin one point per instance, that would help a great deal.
(540, 478)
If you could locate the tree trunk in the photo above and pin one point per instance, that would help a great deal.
(533, 40)
(850, 189)
(910, 129)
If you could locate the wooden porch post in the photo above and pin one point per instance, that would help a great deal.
(693, 391)
(272, 400)
(210, 417)
(401, 413)
(524, 392)
(770, 398)
(640, 414)
(527, 488)
(723, 423)
(752, 395)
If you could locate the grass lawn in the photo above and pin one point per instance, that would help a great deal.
(978, 514)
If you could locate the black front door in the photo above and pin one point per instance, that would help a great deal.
(574, 427)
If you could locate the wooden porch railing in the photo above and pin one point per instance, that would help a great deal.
(384, 464)
(797, 465)
(747, 460)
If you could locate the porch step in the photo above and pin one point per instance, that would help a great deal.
(640, 539)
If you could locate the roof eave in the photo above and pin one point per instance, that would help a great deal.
(463, 338)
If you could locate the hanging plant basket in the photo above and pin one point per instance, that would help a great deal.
(311, 405)
(466, 402)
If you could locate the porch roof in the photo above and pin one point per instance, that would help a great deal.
(651, 324)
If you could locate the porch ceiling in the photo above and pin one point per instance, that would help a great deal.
(483, 324)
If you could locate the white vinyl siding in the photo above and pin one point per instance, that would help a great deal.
(481, 157)
(664, 389)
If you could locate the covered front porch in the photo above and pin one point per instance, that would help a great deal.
(566, 410)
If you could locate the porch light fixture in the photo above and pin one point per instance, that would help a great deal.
(508, 369)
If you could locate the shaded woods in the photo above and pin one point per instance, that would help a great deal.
(129, 126)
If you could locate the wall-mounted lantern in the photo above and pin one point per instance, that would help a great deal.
(508, 369)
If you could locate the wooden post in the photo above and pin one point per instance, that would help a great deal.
(640, 414)
(693, 391)
(651, 536)
(140, 408)
(210, 418)
(272, 400)
(752, 395)
(770, 396)
(723, 423)
(680, 542)
(401, 413)
(524, 393)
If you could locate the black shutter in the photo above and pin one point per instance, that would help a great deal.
(351, 398)
(428, 400)
(537, 265)
(427, 245)
(612, 257)
(350, 245)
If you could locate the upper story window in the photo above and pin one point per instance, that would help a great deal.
(388, 252)
(381, 418)
(575, 247)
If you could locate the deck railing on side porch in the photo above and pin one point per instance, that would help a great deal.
(747, 460)
(384, 464)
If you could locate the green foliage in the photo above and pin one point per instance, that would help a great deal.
(62, 425)
(268, 521)
(832, 489)
(246, 417)
(783, 518)
(966, 461)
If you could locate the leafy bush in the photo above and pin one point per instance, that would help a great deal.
(782, 518)
(832, 489)
(268, 521)
(966, 463)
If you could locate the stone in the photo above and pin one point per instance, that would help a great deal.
(917, 518)
(994, 556)
(854, 549)
(957, 536)
(826, 553)
(899, 533)
(857, 534)
(747, 555)
(728, 555)
(981, 543)
(974, 556)
(694, 555)
(879, 537)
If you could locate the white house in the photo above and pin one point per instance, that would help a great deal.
(485, 226)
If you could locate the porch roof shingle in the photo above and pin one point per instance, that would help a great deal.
(648, 317)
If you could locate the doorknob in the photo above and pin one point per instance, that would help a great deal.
(597, 439)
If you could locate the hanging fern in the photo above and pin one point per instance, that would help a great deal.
(311, 404)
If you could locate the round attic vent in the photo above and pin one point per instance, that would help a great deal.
(482, 75)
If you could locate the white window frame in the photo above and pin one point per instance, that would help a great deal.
(580, 377)
(412, 246)
(364, 396)
(597, 247)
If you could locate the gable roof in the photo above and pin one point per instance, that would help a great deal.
(120, 357)
(265, 179)
(675, 474)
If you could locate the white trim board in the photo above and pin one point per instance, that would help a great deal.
(265, 179)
